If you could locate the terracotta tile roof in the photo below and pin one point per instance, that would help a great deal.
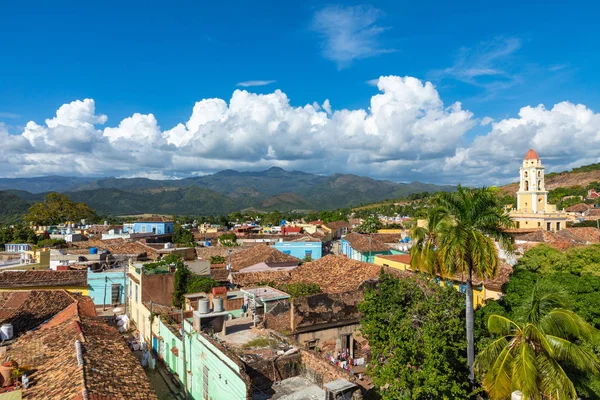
(584, 234)
(360, 242)
(154, 218)
(503, 276)
(403, 258)
(111, 371)
(303, 238)
(108, 371)
(132, 248)
(388, 237)
(220, 275)
(261, 253)
(204, 253)
(24, 279)
(581, 207)
(98, 229)
(245, 279)
(335, 274)
(560, 242)
(337, 224)
(27, 309)
(594, 212)
(100, 244)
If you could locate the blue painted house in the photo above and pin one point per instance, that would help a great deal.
(106, 287)
(301, 249)
(155, 225)
(363, 247)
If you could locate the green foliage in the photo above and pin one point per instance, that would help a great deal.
(300, 289)
(58, 208)
(556, 196)
(182, 235)
(417, 334)
(370, 225)
(218, 260)
(200, 284)
(587, 168)
(578, 260)
(228, 239)
(13, 208)
(50, 242)
(180, 283)
(17, 234)
(536, 350)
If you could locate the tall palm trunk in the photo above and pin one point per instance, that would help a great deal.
(470, 328)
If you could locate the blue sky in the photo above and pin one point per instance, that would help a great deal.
(153, 58)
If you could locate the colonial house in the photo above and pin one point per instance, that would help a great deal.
(363, 247)
(155, 225)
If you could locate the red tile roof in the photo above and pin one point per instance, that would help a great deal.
(581, 207)
(245, 279)
(403, 258)
(108, 369)
(335, 274)
(532, 155)
(154, 218)
(24, 279)
(261, 253)
(360, 242)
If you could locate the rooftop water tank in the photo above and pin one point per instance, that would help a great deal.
(217, 304)
(93, 250)
(203, 306)
(6, 331)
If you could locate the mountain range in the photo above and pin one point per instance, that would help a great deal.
(219, 193)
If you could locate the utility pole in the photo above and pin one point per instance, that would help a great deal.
(125, 268)
(185, 390)
(370, 238)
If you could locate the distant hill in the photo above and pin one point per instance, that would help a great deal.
(220, 193)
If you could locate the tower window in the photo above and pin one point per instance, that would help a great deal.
(539, 174)
(525, 174)
(526, 185)
(539, 184)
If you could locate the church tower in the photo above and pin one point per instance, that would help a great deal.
(532, 196)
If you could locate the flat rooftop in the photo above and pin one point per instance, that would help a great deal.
(266, 293)
(296, 388)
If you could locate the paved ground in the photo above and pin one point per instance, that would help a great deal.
(159, 385)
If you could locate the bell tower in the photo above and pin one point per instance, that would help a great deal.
(532, 196)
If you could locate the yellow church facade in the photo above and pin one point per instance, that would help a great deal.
(533, 210)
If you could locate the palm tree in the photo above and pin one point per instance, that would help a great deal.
(460, 238)
(532, 352)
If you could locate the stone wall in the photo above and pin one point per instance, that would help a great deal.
(278, 319)
(326, 310)
(320, 371)
(264, 372)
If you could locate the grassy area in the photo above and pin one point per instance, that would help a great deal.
(260, 342)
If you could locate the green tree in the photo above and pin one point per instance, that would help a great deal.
(371, 224)
(57, 208)
(200, 284)
(227, 239)
(218, 260)
(462, 240)
(534, 352)
(416, 331)
(182, 235)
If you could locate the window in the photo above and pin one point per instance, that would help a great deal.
(539, 174)
(143, 229)
(539, 186)
(136, 293)
(526, 185)
(308, 253)
(525, 174)
(539, 224)
(518, 224)
(205, 383)
(549, 226)
(558, 226)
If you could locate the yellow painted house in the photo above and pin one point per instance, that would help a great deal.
(482, 290)
(72, 281)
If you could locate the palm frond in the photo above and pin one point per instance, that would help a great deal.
(500, 325)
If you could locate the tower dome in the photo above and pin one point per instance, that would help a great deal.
(532, 155)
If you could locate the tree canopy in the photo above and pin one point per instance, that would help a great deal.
(182, 235)
(57, 208)
(416, 331)
(371, 224)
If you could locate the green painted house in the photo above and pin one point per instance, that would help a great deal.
(213, 372)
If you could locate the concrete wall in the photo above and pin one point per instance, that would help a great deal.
(99, 282)
(226, 376)
(158, 288)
